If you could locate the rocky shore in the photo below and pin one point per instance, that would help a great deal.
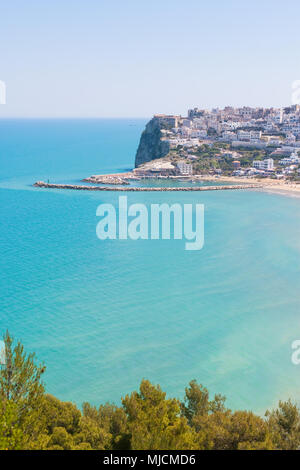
(108, 179)
(42, 184)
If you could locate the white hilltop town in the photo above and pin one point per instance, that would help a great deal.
(232, 144)
(247, 142)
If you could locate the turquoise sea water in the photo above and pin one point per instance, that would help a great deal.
(104, 314)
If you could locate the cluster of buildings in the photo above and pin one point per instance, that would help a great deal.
(247, 124)
(286, 166)
(272, 129)
(265, 168)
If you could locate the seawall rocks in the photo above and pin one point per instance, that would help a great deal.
(42, 184)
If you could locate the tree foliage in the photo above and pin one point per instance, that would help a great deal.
(154, 422)
(284, 424)
(146, 420)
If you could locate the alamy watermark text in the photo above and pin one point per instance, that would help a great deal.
(162, 221)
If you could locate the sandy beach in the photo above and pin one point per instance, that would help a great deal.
(270, 185)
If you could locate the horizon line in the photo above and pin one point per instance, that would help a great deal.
(74, 117)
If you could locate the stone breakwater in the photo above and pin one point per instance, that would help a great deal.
(42, 184)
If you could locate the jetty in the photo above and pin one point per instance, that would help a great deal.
(42, 184)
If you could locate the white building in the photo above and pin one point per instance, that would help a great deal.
(244, 135)
(266, 165)
(248, 135)
(229, 136)
(290, 139)
(255, 135)
(187, 123)
(293, 159)
(198, 133)
(273, 140)
(278, 117)
(248, 143)
(185, 168)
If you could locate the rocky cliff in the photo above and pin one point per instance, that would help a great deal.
(151, 146)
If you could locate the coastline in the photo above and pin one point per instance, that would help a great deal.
(121, 182)
(266, 184)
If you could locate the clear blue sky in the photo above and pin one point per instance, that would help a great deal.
(118, 58)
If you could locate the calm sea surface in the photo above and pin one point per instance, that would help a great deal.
(102, 315)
